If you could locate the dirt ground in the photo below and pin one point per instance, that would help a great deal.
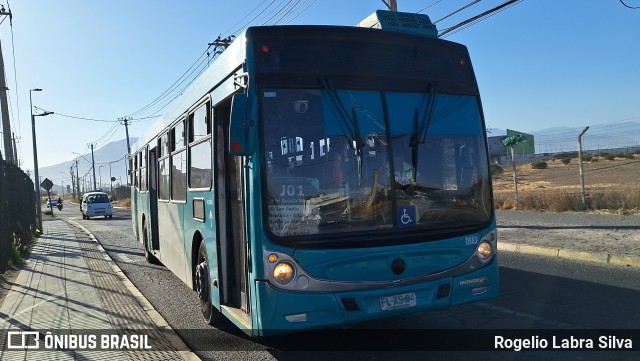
(619, 174)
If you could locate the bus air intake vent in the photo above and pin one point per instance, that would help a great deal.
(350, 304)
(407, 22)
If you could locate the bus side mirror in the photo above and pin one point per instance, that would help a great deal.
(242, 127)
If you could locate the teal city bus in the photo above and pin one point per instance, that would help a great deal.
(319, 176)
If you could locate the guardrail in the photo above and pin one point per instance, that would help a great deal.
(17, 212)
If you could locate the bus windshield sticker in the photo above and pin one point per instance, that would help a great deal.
(289, 211)
(406, 216)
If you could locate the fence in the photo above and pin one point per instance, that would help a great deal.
(17, 211)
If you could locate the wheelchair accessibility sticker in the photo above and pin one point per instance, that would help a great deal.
(406, 216)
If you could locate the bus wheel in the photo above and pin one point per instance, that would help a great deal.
(203, 286)
(147, 255)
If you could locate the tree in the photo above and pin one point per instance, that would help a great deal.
(510, 142)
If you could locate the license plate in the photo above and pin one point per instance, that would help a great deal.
(404, 300)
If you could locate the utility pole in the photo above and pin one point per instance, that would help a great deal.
(583, 197)
(392, 5)
(15, 150)
(125, 121)
(77, 180)
(4, 108)
(73, 182)
(93, 166)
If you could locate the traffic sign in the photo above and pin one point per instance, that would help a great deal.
(46, 184)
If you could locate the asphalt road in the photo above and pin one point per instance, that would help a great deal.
(536, 293)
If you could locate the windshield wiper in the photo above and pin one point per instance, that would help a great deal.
(420, 131)
(349, 125)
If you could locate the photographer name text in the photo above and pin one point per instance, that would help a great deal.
(560, 343)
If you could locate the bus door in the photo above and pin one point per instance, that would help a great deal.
(231, 219)
(153, 197)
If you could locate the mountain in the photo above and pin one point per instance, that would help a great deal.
(110, 160)
(606, 138)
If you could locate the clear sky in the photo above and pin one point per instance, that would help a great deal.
(540, 63)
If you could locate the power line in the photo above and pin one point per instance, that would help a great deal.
(428, 6)
(172, 87)
(291, 9)
(94, 119)
(278, 12)
(244, 17)
(175, 93)
(630, 7)
(254, 18)
(476, 19)
(302, 12)
(457, 11)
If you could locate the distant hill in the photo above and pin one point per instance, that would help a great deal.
(109, 159)
(599, 137)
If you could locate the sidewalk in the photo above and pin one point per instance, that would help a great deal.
(71, 288)
(615, 241)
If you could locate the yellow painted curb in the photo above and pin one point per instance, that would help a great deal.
(599, 257)
(632, 261)
(584, 256)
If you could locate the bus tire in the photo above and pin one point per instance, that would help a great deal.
(202, 285)
(147, 255)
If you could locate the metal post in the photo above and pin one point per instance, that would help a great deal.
(93, 165)
(110, 180)
(35, 161)
(582, 193)
(77, 180)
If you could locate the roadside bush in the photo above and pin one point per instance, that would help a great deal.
(593, 159)
(541, 164)
(587, 157)
(565, 160)
(496, 169)
(14, 255)
(610, 157)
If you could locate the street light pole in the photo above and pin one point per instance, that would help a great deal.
(35, 156)
(35, 159)
(100, 173)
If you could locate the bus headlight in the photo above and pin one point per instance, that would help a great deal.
(484, 251)
(283, 272)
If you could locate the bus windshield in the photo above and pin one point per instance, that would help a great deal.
(337, 161)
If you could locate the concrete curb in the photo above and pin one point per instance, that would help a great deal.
(156, 318)
(599, 257)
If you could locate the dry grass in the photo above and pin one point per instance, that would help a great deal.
(611, 186)
(123, 203)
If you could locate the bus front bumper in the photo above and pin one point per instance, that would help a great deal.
(285, 311)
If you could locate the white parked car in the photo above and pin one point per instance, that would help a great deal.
(96, 204)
